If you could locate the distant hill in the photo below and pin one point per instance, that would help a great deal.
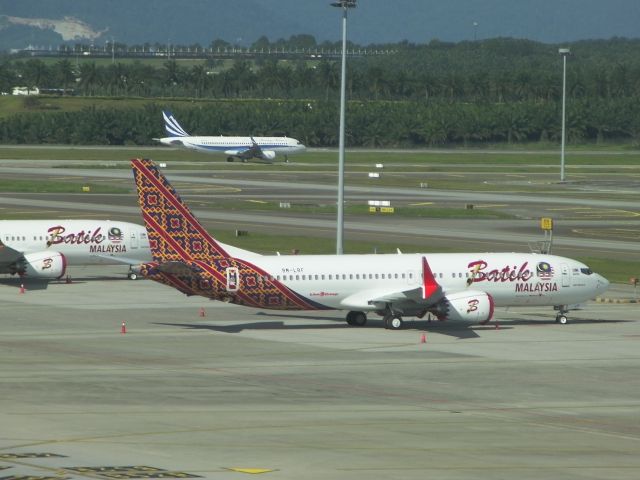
(373, 22)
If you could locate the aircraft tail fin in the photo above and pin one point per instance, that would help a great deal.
(172, 126)
(175, 235)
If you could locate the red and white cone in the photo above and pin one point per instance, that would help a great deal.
(123, 328)
(423, 338)
(22, 290)
(202, 312)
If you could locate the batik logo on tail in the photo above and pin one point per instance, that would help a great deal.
(172, 126)
(175, 235)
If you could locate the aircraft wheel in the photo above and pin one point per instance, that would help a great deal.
(393, 322)
(561, 319)
(359, 319)
(132, 276)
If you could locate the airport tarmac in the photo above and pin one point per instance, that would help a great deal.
(304, 395)
(587, 224)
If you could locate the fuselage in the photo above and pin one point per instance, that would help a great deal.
(82, 242)
(233, 145)
(350, 282)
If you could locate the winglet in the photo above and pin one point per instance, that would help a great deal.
(430, 285)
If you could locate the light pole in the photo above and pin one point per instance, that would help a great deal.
(565, 52)
(345, 5)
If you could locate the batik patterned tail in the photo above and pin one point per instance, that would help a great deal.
(174, 233)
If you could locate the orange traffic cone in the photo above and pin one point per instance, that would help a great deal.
(202, 313)
(123, 328)
(423, 338)
(22, 288)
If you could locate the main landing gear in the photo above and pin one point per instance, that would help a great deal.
(392, 321)
(357, 319)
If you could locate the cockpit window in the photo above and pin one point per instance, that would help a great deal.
(586, 271)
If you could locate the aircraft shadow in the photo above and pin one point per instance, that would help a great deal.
(29, 284)
(460, 331)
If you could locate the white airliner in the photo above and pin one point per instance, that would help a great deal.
(461, 286)
(44, 248)
(243, 148)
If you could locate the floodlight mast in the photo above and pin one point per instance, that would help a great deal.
(345, 5)
(565, 52)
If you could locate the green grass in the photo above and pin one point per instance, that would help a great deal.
(427, 211)
(36, 186)
(616, 271)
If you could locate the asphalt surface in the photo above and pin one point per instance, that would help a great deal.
(198, 388)
(303, 395)
(586, 223)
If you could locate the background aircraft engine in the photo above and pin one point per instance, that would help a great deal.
(269, 154)
(469, 306)
(43, 265)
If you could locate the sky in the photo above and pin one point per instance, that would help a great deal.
(372, 22)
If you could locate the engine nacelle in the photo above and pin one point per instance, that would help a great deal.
(268, 154)
(43, 265)
(469, 306)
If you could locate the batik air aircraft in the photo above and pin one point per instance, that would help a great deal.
(461, 286)
(44, 248)
(243, 148)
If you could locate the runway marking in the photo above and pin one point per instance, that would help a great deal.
(489, 205)
(251, 471)
(421, 204)
(257, 201)
(131, 472)
(32, 477)
(588, 212)
(617, 233)
(17, 456)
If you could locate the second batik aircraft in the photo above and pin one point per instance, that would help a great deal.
(456, 286)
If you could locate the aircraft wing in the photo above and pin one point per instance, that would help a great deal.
(427, 294)
(8, 256)
(254, 151)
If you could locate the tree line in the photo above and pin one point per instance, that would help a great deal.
(500, 90)
(315, 123)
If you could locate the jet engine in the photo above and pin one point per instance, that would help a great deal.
(268, 154)
(469, 306)
(42, 265)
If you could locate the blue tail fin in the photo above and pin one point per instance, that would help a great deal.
(172, 126)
